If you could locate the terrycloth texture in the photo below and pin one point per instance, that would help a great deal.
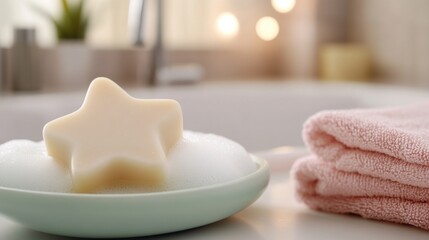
(374, 163)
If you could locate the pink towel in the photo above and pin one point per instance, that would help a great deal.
(374, 163)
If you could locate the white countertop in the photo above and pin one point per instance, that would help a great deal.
(276, 215)
(258, 115)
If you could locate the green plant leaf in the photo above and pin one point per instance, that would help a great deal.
(72, 23)
(66, 9)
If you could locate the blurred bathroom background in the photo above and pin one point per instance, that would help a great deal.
(172, 42)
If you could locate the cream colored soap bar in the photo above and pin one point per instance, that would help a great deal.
(114, 139)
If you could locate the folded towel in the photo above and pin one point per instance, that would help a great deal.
(322, 187)
(374, 163)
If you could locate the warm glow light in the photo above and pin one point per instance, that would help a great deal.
(267, 28)
(283, 6)
(227, 25)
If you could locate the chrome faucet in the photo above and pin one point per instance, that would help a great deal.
(136, 18)
(158, 72)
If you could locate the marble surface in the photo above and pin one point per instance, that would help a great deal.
(276, 215)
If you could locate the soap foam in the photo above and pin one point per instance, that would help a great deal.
(197, 160)
(204, 159)
(24, 164)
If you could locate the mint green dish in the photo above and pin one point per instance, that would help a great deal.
(132, 215)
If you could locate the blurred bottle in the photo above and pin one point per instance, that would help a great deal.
(24, 70)
(2, 71)
(345, 62)
(5, 69)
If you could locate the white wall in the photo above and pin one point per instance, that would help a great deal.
(188, 23)
(20, 14)
(397, 32)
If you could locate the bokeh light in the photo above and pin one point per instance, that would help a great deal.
(283, 6)
(267, 28)
(227, 25)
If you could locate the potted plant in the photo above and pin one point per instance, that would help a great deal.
(73, 57)
(72, 23)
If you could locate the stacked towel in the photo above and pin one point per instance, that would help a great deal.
(374, 163)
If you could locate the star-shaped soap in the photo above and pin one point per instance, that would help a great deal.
(114, 139)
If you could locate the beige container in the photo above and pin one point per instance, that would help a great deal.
(345, 62)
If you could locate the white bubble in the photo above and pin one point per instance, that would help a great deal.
(24, 164)
(205, 159)
(197, 160)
